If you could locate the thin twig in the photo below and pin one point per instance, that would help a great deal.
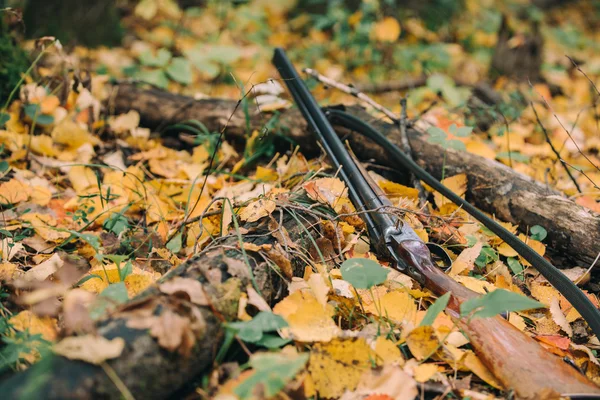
(537, 117)
(353, 92)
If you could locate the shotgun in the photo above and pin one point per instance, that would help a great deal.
(519, 362)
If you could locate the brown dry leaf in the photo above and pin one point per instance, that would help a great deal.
(76, 317)
(256, 299)
(308, 320)
(191, 287)
(325, 190)
(43, 270)
(257, 209)
(280, 257)
(255, 247)
(172, 331)
(466, 259)
(559, 318)
(386, 30)
(387, 383)
(90, 348)
(423, 342)
(337, 366)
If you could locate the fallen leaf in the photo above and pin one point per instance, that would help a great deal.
(456, 183)
(386, 30)
(43, 270)
(559, 318)
(387, 383)
(256, 299)
(191, 287)
(423, 342)
(466, 259)
(424, 372)
(325, 190)
(257, 209)
(90, 348)
(309, 320)
(338, 366)
(26, 320)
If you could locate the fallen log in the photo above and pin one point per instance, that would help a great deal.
(147, 370)
(573, 231)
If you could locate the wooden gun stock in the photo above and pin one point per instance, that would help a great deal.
(516, 360)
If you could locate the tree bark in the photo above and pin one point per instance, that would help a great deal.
(573, 231)
(146, 369)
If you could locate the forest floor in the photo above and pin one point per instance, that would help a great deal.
(96, 208)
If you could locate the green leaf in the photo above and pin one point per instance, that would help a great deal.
(515, 266)
(34, 112)
(252, 331)
(91, 239)
(363, 273)
(126, 270)
(272, 372)
(175, 244)
(180, 70)
(116, 223)
(203, 63)
(487, 256)
(513, 155)
(463, 131)
(4, 166)
(111, 297)
(436, 133)
(497, 302)
(272, 341)
(538, 233)
(4, 118)
(161, 59)
(436, 308)
(455, 145)
(157, 77)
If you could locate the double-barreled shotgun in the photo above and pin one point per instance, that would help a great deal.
(519, 362)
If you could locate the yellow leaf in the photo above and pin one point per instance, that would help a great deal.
(398, 306)
(90, 348)
(45, 226)
(135, 284)
(396, 190)
(338, 366)
(507, 251)
(42, 144)
(266, 174)
(481, 149)
(69, 133)
(7, 270)
(543, 293)
(387, 30)
(308, 320)
(13, 192)
(476, 285)
(257, 209)
(387, 352)
(45, 326)
(82, 178)
(536, 245)
(466, 259)
(424, 372)
(476, 366)
(423, 342)
(456, 183)
(325, 190)
(40, 195)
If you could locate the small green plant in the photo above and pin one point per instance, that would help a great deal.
(261, 330)
(497, 302)
(436, 308)
(363, 273)
(439, 137)
(162, 67)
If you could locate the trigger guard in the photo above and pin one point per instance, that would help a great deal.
(441, 253)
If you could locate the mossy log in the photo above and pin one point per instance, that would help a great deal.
(573, 231)
(145, 368)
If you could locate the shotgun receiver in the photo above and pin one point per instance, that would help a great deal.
(519, 362)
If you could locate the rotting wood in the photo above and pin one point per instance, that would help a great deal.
(146, 369)
(573, 231)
